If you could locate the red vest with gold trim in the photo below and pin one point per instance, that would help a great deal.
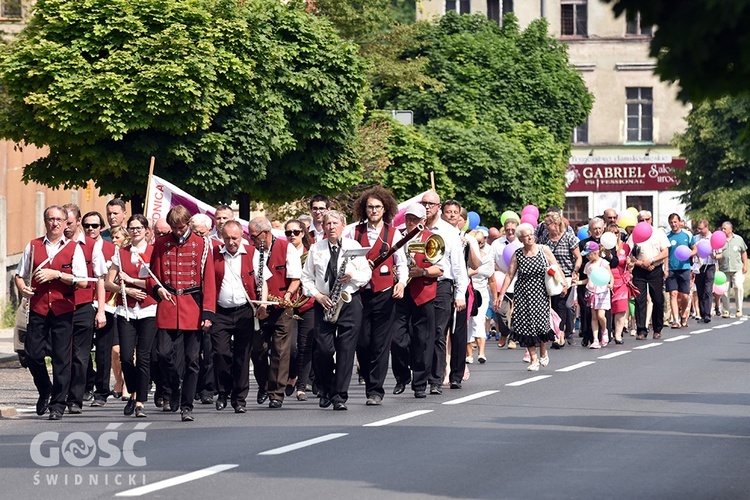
(382, 277)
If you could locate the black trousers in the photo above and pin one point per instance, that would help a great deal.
(704, 285)
(443, 306)
(206, 375)
(339, 339)
(83, 337)
(178, 352)
(270, 352)
(413, 344)
(458, 331)
(97, 380)
(232, 357)
(585, 330)
(652, 283)
(56, 334)
(305, 347)
(373, 345)
(136, 336)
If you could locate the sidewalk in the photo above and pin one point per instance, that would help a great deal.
(6, 345)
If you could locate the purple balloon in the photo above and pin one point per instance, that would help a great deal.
(682, 252)
(704, 249)
(509, 250)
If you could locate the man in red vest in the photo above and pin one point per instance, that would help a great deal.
(283, 262)
(374, 208)
(236, 285)
(85, 317)
(414, 326)
(51, 263)
(186, 291)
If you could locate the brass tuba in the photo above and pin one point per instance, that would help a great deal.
(433, 248)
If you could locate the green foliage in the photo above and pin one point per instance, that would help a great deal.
(716, 179)
(255, 97)
(701, 44)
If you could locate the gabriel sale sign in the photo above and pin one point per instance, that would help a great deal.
(622, 173)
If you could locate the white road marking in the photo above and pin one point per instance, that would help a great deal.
(113, 426)
(719, 327)
(303, 444)
(648, 346)
(576, 366)
(191, 476)
(528, 381)
(470, 398)
(26, 410)
(738, 322)
(398, 418)
(613, 355)
(679, 337)
(142, 425)
(703, 330)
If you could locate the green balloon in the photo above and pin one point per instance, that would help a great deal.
(720, 278)
(508, 214)
(631, 306)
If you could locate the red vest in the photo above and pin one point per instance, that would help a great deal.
(86, 295)
(133, 270)
(247, 274)
(53, 295)
(278, 283)
(108, 250)
(382, 277)
(423, 289)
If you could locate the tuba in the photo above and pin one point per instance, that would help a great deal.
(433, 248)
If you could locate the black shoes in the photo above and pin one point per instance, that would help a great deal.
(435, 389)
(159, 402)
(340, 406)
(324, 402)
(221, 402)
(166, 406)
(289, 389)
(399, 388)
(207, 400)
(455, 385)
(140, 412)
(420, 394)
(88, 396)
(239, 409)
(187, 416)
(374, 400)
(42, 404)
(55, 415)
(274, 403)
(262, 396)
(129, 407)
(98, 402)
(74, 409)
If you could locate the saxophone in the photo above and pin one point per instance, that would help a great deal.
(338, 296)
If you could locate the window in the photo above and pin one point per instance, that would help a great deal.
(640, 114)
(635, 27)
(11, 8)
(464, 6)
(640, 202)
(577, 210)
(581, 133)
(574, 18)
(495, 12)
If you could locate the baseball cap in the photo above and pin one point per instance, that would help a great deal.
(591, 246)
(417, 210)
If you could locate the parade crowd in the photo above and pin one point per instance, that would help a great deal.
(186, 304)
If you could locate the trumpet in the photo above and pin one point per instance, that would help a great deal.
(433, 248)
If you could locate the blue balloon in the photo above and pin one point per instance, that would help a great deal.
(473, 220)
(599, 276)
(583, 233)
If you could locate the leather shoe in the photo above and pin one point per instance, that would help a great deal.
(74, 409)
(239, 409)
(374, 400)
(129, 407)
(187, 416)
(455, 385)
(435, 389)
(324, 402)
(657, 336)
(221, 402)
(140, 412)
(207, 400)
(55, 415)
(159, 402)
(88, 396)
(275, 403)
(399, 388)
(340, 406)
(420, 394)
(42, 404)
(166, 406)
(640, 336)
(262, 396)
(98, 402)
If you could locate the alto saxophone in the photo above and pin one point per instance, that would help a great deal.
(338, 296)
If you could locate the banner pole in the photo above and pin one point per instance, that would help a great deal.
(432, 180)
(148, 186)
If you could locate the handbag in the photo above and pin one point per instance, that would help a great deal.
(552, 281)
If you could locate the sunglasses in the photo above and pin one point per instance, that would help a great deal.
(295, 232)
(91, 226)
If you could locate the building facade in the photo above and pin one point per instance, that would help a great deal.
(621, 156)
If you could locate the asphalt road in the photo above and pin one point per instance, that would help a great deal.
(648, 419)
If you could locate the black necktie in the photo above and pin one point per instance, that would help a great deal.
(261, 265)
(332, 270)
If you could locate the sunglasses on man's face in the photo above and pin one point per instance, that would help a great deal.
(295, 232)
(91, 226)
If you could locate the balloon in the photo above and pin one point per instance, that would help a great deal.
(642, 232)
(682, 252)
(509, 250)
(530, 209)
(608, 240)
(633, 211)
(473, 220)
(718, 240)
(626, 219)
(599, 276)
(530, 219)
(583, 233)
(465, 226)
(720, 278)
(508, 214)
(631, 307)
(704, 248)
(720, 289)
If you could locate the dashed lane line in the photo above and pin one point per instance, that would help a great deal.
(576, 366)
(702, 330)
(648, 346)
(613, 355)
(185, 478)
(720, 327)
(527, 381)
(675, 339)
(303, 444)
(399, 418)
(470, 398)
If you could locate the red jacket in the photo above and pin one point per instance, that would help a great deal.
(54, 296)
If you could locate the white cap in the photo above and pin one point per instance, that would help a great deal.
(416, 209)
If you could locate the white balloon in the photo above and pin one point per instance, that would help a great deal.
(608, 240)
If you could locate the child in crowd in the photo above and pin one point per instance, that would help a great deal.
(598, 296)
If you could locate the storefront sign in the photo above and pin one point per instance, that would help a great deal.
(622, 173)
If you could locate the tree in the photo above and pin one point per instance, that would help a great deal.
(716, 179)
(257, 97)
(701, 44)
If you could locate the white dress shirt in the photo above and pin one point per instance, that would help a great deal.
(78, 267)
(135, 312)
(231, 294)
(313, 274)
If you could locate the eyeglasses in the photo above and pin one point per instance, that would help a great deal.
(53, 220)
(135, 228)
(429, 204)
(295, 232)
(259, 234)
(510, 231)
(375, 208)
(91, 226)
(318, 209)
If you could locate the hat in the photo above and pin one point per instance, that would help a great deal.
(591, 246)
(417, 210)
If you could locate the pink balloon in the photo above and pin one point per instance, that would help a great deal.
(718, 240)
(530, 209)
(720, 289)
(530, 219)
(642, 232)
